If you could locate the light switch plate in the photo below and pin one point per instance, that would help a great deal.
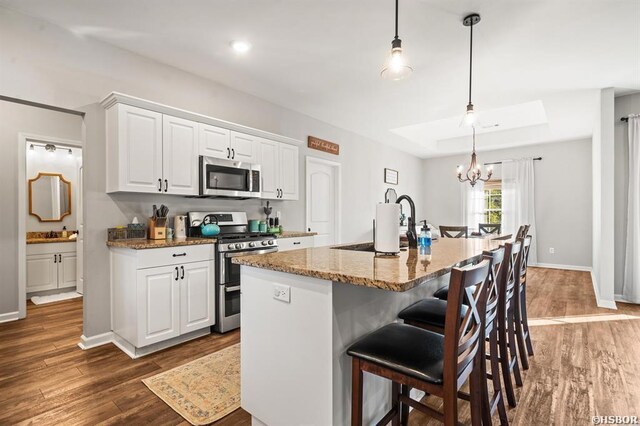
(282, 292)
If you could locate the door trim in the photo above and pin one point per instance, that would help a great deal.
(337, 167)
(23, 140)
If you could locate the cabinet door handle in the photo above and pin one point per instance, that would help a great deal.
(228, 152)
(233, 153)
(182, 270)
(177, 274)
(159, 185)
(55, 258)
(179, 254)
(166, 185)
(59, 258)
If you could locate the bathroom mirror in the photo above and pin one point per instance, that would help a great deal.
(49, 197)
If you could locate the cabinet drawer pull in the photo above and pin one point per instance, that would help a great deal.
(178, 254)
(295, 243)
(182, 270)
(177, 273)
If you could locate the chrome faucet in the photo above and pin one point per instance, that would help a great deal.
(411, 232)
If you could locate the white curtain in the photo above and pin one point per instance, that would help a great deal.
(518, 206)
(472, 204)
(631, 284)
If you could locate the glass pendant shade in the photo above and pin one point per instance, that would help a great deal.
(396, 67)
(469, 118)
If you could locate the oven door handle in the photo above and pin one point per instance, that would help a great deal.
(232, 289)
(250, 252)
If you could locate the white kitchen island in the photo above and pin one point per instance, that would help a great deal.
(302, 309)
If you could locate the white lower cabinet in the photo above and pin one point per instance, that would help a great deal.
(51, 266)
(161, 294)
(295, 243)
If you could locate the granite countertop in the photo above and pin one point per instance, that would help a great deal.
(295, 234)
(348, 265)
(50, 240)
(40, 237)
(150, 244)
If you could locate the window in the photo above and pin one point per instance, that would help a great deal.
(493, 202)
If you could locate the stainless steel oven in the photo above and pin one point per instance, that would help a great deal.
(228, 296)
(229, 178)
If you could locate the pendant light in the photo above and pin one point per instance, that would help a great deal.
(474, 173)
(470, 118)
(396, 67)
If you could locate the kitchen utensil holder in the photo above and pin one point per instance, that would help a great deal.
(157, 228)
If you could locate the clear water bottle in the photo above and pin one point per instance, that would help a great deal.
(424, 239)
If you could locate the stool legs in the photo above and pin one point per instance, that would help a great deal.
(356, 393)
(525, 319)
(522, 328)
(497, 402)
(404, 408)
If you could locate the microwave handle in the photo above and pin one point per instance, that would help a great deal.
(250, 180)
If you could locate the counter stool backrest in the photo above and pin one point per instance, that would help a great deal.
(454, 231)
(463, 337)
(524, 260)
(507, 281)
(523, 231)
(489, 228)
(496, 257)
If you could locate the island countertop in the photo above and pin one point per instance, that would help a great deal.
(355, 265)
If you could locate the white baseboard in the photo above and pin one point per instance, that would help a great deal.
(621, 298)
(95, 341)
(135, 353)
(558, 266)
(602, 303)
(10, 316)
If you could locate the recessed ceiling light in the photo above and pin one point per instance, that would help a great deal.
(240, 46)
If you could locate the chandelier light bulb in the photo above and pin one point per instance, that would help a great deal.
(470, 118)
(397, 66)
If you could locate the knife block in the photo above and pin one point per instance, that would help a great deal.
(158, 228)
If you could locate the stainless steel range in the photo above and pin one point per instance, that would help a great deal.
(234, 240)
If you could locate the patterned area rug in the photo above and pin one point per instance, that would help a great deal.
(203, 390)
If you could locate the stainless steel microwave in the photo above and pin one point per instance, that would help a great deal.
(229, 178)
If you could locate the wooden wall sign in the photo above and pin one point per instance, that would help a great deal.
(322, 145)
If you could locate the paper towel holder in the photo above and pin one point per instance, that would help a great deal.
(381, 254)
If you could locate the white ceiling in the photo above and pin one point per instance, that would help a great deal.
(536, 66)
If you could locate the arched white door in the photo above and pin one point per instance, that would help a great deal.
(323, 200)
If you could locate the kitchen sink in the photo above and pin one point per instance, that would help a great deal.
(367, 247)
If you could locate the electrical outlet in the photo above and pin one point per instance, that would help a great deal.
(282, 292)
(552, 250)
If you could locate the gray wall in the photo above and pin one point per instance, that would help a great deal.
(44, 63)
(15, 119)
(562, 196)
(624, 105)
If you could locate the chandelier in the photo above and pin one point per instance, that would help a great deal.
(474, 174)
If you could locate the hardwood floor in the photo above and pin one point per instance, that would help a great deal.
(579, 369)
(46, 379)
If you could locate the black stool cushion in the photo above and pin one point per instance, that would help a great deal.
(404, 348)
(428, 311)
(442, 293)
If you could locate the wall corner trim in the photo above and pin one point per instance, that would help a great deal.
(609, 304)
(9, 316)
(95, 341)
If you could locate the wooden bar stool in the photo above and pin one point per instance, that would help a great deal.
(438, 364)
(454, 231)
(489, 228)
(427, 314)
(525, 348)
(506, 320)
(523, 231)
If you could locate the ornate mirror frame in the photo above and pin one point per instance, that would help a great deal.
(62, 179)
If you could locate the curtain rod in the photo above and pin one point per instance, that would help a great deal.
(506, 161)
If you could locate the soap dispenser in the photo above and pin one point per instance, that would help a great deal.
(424, 240)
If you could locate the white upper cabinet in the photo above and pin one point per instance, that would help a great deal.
(269, 169)
(244, 147)
(180, 156)
(214, 141)
(289, 178)
(134, 149)
(279, 170)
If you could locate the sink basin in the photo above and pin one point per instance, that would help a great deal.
(367, 247)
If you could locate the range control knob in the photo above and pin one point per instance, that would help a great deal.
(252, 244)
(238, 245)
(270, 242)
(230, 246)
(264, 243)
